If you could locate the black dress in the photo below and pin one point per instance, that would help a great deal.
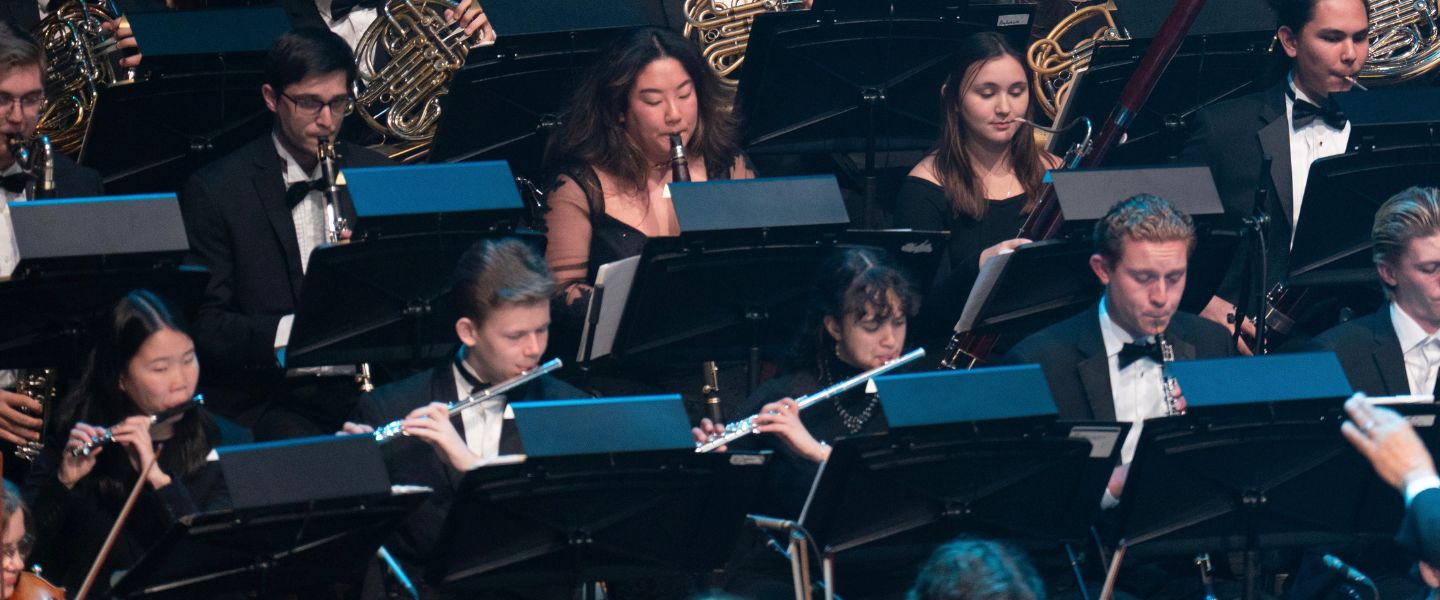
(922, 205)
(791, 475)
(71, 524)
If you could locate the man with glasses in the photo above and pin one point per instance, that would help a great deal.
(253, 218)
(22, 99)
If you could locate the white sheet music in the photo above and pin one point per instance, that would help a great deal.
(617, 278)
(989, 274)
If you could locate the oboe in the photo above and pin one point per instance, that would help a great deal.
(394, 429)
(106, 437)
(746, 426)
(679, 166)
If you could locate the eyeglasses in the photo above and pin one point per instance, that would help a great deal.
(311, 106)
(21, 549)
(29, 103)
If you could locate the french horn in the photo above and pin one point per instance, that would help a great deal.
(1054, 68)
(722, 29)
(80, 59)
(1404, 41)
(406, 60)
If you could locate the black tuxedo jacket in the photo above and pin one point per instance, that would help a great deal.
(1233, 137)
(75, 181)
(1420, 531)
(240, 228)
(412, 461)
(1370, 353)
(1072, 355)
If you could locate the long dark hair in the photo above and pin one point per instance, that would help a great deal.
(952, 154)
(850, 282)
(591, 132)
(98, 399)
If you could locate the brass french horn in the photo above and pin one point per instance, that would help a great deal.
(722, 28)
(80, 59)
(1054, 68)
(406, 60)
(1404, 40)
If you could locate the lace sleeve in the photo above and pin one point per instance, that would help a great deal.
(568, 248)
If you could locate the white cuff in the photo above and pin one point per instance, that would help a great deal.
(1419, 484)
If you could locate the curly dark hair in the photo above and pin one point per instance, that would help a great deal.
(969, 569)
(852, 282)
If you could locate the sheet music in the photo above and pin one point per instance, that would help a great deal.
(989, 275)
(617, 278)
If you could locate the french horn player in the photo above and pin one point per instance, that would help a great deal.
(350, 19)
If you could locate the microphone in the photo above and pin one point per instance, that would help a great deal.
(1351, 574)
(772, 523)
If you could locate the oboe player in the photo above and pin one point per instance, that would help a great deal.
(1104, 363)
(503, 290)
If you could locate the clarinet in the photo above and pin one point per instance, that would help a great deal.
(746, 426)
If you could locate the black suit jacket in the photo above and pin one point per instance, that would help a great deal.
(412, 461)
(1420, 531)
(1072, 355)
(1233, 137)
(75, 181)
(1370, 353)
(240, 228)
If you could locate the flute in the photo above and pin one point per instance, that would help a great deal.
(97, 441)
(746, 426)
(394, 428)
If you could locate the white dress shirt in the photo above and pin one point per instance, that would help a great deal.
(1138, 389)
(484, 421)
(350, 27)
(309, 219)
(1421, 350)
(9, 251)
(1309, 143)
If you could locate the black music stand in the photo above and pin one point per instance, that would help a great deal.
(503, 104)
(330, 509)
(198, 97)
(1015, 306)
(1257, 462)
(606, 517)
(1205, 70)
(77, 257)
(970, 452)
(832, 81)
(381, 300)
(427, 199)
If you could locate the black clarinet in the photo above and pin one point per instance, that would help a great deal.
(679, 167)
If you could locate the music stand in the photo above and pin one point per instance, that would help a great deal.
(1205, 70)
(611, 517)
(976, 452)
(507, 98)
(197, 99)
(828, 81)
(1256, 463)
(337, 509)
(77, 257)
(1006, 300)
(381, 300)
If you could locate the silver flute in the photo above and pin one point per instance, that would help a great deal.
(746, 426)
(106, 437)
(394, 429)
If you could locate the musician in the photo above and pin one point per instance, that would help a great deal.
(252, 218)
(1328, 41)
(504, 290)
(857, 320)
(143, 363)
(1104, 363)
(1395, 350)
(984, 175)
(25, 15)
(22, 100)
(611, 156)
(349, 19)
(16, 541)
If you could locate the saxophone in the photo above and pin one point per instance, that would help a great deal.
(39, 384)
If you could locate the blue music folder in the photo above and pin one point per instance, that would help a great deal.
(603, 425)
(943, 397)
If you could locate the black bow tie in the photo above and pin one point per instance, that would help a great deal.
(297, 192)
(15, 183)
(1304, 113)
(1130, 353)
